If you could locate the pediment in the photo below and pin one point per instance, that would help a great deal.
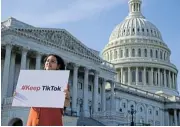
(59, 37)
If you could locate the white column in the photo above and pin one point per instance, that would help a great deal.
(122, 75)
(103, 96)
(6, 71)
(124, 52)
(85, 98)
(173, 84)
(27, 63)
(137, 76)
(165, 80)
(112, 97)
(155, 77)
(176, 82)
(146, 118)
(154, 116)
(176, 86)
(169, 79)
(167, 118)
(129, 76)
(162, 117)
(159, 77)
(130, 50)
(11, 75)
(23, 59)
(74, 97)
(38, 61)
(175, 117)
(95, 103)
(179, 118)
(144, 77)
(118, 76)
(136, 49)
(152, 83)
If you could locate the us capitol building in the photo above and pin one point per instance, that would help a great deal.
(134, 73)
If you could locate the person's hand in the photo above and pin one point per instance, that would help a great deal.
(14, 94)
(65, 92)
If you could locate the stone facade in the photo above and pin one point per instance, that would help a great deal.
(24, 48)
(135, 71)
(142, 62)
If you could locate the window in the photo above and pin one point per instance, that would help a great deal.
(124, 105)
(145, 52)
(141, 110)
(151, 53)
(150, 111)
(126, 76)
(140, 76)
(99, 90)
(121, 53)
(133, 52)
(163, 79)
(107, 56)
(147, 77)
(133, 76)
(111, 55)
(156, 54)
(154, 33)
(115, 54)
(139, 52)
(165, 56)
(142, 29)
(160, 54)
(80, 85)
(154, 77)
(120, 109)
(127, 53)
(89, 87)
(157, 78)
(156, 113)
(99, 109)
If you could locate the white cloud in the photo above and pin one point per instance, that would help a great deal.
(73, 11)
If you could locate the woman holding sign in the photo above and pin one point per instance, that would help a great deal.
(49, 116)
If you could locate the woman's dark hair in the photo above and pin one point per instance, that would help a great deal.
(60, 61)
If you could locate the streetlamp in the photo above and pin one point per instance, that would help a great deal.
(132, 112)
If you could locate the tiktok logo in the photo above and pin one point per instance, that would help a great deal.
(51, 88)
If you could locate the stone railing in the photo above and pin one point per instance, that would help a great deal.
(8, 101)
(178, 98)
(107, 65)
(173, 98)
(110, 117)
(138, 91)
(137, 59)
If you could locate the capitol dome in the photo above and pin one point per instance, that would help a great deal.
(135, 24)
(139, 54)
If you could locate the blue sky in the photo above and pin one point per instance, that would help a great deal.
(92, 21)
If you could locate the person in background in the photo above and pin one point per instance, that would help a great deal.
(48, 116)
